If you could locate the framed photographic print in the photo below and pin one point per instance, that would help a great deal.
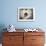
(26, 14)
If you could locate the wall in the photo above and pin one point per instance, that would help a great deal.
(9, 13)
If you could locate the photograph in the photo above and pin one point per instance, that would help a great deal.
(26, 14)
(22, 23)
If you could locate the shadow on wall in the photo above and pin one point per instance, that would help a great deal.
(2, 26)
